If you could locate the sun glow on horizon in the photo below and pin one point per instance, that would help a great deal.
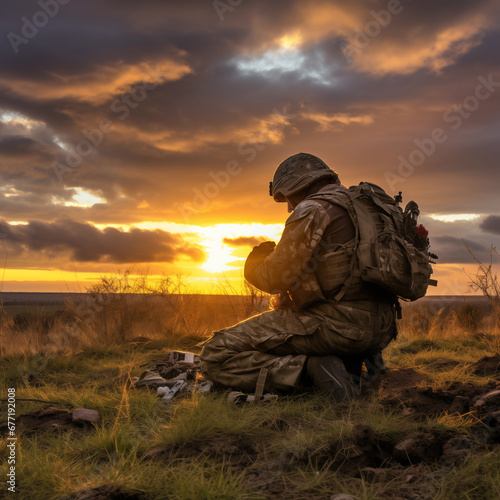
(219, 254)
(454, 217)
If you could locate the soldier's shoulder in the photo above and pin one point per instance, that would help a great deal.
(307, 208)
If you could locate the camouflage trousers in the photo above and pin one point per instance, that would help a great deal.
(281, 340)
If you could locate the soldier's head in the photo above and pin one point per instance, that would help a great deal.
(299, 176)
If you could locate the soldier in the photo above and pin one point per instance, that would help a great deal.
(326, 321)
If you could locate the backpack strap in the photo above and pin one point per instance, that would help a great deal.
(355, 272)
(261, 382)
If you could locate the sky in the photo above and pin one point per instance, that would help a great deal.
(143, 135)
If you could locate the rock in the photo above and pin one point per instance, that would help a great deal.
(408, 449)
(456, 450)
(343, 496)
(492, 398)
(85, 415)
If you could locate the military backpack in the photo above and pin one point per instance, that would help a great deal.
(392, 251)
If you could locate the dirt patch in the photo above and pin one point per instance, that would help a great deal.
(46, 420)
(489, 366)
(405, 388)
(400, 482)
(422, 447)
(456, 450)
(365, 449)
(104, 493)
(398, 380)
(381, 455)
(237, 450)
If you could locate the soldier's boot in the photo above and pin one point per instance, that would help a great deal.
(354, 366)
(375, 365)
(328, 373)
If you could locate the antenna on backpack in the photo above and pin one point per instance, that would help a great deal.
(398, 198)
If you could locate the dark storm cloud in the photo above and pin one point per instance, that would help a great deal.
(86, 243)
(491, 224)
(244, 241)
(453, 250)
(18, 146)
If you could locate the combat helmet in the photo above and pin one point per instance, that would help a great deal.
(296, 173)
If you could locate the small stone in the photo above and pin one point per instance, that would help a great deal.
(489, 398)
(410, 450)
(374, 473)
(85, 415)
(343, 496)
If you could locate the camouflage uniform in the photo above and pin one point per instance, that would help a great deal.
(280, 340)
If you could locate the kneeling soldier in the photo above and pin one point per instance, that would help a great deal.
(327, 322)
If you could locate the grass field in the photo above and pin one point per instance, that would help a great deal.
(415, 434)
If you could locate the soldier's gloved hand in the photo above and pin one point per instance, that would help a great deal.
(257, 255)
(263, 250)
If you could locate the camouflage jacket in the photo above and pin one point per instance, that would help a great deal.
(292, 267)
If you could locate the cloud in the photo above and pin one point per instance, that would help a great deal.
(244, 241)
(99, 84)
(491, 224)
(335, 121)
(404, 42)
(268, 129)
(452, 250)
(86, 243)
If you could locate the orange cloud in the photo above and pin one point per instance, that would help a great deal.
(241, 241)
(398, 47)
(442, 50)
(101, 84)
(335, 122)
(270, 129)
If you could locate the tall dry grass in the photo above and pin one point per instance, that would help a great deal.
(120, 309)
(485, 280)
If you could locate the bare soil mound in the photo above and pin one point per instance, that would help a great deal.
(236, 450)
(398, 380)
(405, 388)
(104, 492)
(489, 366)
(46, 420)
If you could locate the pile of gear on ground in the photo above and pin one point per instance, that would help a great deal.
(181, 372)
